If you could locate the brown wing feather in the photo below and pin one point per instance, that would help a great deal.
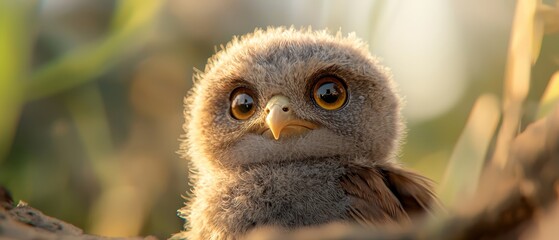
(385, 194)
(415, 192)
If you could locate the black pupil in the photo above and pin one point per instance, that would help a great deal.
(328, 92)
(244, 102)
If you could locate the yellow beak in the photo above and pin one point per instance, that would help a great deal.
(281, 118)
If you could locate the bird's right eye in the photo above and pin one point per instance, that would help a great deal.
(243, 104)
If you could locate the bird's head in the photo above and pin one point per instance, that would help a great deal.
(289, 95)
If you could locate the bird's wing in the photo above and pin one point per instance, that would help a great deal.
(386, 194)
(415, 192)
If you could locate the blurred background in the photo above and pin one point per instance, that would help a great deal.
(91, 91)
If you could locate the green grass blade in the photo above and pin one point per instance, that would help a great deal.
(14, 41)
(467, 160)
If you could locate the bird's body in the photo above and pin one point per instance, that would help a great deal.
(289, 128)
(291, 195)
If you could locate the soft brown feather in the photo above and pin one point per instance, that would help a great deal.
(386, 194)
(244, 180)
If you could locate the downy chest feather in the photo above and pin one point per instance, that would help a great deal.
(290, 195)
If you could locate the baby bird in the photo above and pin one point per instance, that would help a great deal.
(293, 128)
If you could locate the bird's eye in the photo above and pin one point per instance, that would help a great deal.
(242, 103)
(329, 93)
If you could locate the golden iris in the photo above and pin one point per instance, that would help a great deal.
(243, 105)
(329, 93)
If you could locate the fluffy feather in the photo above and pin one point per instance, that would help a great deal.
(243, 180)
(386, 194)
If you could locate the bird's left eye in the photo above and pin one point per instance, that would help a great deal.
(329, 93)
(242, 103)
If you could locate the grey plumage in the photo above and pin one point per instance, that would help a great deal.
(244, 179)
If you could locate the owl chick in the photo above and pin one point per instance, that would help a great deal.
(292, 128)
